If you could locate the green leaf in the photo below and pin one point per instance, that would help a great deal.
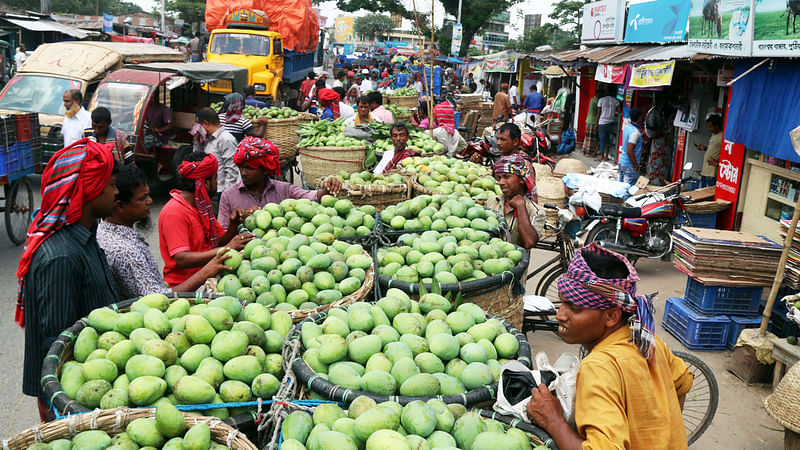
(422, 290)
(436, 288)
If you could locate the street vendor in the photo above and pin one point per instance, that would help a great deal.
(102, 132)
(379, 112)
(445, 129)
(329, 102)
(363, 113)
(239, 126)
(708, 176)
(630, 387)
(132, 264)
(63, 274)
(517, 181)
(258, 162)
(189, 234)
(400, 151)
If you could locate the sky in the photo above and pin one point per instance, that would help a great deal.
(329, 10)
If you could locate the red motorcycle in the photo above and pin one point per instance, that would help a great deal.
(534, 143)
(638, 231)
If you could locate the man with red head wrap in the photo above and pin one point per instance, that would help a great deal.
(189, 234)
(329, 101)
(258, 163)
(63, 274)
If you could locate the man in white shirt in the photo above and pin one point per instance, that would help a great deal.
(606, 122)
(481, 86)
(513, 94)
(339, 81)
(345, 111)
(398, 152)
(20, 57)
(76, 119)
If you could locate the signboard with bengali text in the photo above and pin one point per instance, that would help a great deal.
(721, 27)
(603, 22)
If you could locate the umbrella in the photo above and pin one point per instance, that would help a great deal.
(180, 40)
(399, 58)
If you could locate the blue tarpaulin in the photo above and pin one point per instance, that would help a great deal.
(764, 108)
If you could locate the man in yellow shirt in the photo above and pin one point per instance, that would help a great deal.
(708, 176)
(630, 387)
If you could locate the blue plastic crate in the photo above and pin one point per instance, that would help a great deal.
(701, 220)
(707, 299)
(16, 159)
(695, 331)
(737, 325)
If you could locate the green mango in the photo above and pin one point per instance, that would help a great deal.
(145, 390)
(193, 390)
(91, 440)
(85, 344)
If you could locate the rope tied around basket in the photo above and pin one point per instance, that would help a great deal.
(93, 420)
(37, 436)
(280, 401)
(71, 425)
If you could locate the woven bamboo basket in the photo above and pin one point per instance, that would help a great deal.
(551, 191)
(568, 165)
(542, 170)
(409, 101)
(283, 133)
(114, 421)
(318, 162)
(782, 404)
(378, 195)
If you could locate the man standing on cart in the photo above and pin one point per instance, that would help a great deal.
(630, 387)
(63, 274)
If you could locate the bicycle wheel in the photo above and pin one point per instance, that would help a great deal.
(18, 208)
(701, 401)
(548, 287)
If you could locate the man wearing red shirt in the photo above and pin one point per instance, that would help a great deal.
(188, 232)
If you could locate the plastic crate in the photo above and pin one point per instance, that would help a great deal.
(701, 220)
(737, 325)
(782, 326)
(23, 127)
(709, 300)
(695, 331)
(18, 158)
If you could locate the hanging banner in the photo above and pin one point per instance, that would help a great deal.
(603, 21)
(775, 31)
(729, 176)
(108, 23)
(610, 74)
(652, 74)
(688, 119)
(504, 64)
(344, 29)
(657, 21)
(722, 27)
(455, 43)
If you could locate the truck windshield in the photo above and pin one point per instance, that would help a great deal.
(240, 44)
(124, 100)
(37, 93)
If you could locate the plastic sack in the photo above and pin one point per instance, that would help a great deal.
(614, 188)
(567, 144)
(654, 123)
(516, 382)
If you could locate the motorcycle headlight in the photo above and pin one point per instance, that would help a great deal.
(260, 87)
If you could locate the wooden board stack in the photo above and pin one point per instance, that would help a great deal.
(726, 258)
(469, 102)
(791, 278)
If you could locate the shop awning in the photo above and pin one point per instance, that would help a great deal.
(763, 108)
(621, 54)
(48, 25)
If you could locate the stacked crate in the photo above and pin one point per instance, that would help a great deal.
(19, 134)
(712, 317)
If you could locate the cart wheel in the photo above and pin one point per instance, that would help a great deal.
(18, 208)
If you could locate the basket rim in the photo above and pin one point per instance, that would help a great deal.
(367, 189)
(326, 148)
(303, 373)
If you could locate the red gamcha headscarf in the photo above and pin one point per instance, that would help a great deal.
(329, 97)
(445, 117)
(257, 152)
(74, 176)
(200, 171)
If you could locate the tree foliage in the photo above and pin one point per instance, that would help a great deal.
(372, 26)
(568, 13)
(474, 13)
(115, 7)
(188, 10)
(547, 34)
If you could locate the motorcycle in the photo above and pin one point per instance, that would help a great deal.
(482, 150)
(642, 228)
(534, 143)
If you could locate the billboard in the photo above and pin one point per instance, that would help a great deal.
(776, 30)
(723, 27)
(657, 21)
(455, 45)
(344, 29)
(603, 22)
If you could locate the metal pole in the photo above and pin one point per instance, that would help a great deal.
(163, 22)
(430, 92)
(458, 20)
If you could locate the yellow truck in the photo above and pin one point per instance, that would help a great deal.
(247, 42)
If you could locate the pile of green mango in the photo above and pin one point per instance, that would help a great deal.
(399, 111)
(367, 177)
(419, 141)
(294, 273)
(439, 213)
(389, 426)
(273, 112)
(167, 431)
(449, 175)
(332, 218)
(179, 353)
(460, 255)
(326, 133)
(404, 92)
(406, 347)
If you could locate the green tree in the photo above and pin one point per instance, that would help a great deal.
(188, 10)
(547, 34)
(91, 7)
(473, 12)
(568, 13)
(444, 38)
(372, 26)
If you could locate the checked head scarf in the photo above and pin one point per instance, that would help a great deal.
(200, 171)
(257, 152)
(517, 164)
(74, 176)
(582, 287)
(234, 103)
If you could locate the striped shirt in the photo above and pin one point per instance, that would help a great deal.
(68, 278)
(239, 129)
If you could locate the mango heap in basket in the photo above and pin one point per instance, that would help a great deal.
(439, 213)
(166, 431)
(326, 133)
(300, 272)
(336, 217)
(420, 141)
(392, 348)
(399, 111)
(177, 353)
(404, 92)
(366, 177)
(389, 426)
(458, 256)
(449, 175)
